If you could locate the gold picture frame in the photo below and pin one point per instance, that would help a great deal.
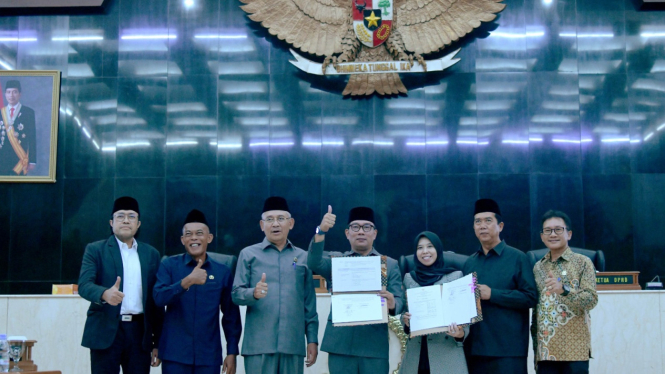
(29, 109)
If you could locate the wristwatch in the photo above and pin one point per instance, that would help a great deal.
(319, 231)
(566, 290)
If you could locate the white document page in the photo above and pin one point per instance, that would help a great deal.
(425, 307)
(459, 301)
(356, 308)
(354, 274)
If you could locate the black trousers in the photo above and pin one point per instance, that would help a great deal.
(126, 351)
(498, 365)
(563, 367)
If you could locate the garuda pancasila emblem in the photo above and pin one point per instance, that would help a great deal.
(371, 40)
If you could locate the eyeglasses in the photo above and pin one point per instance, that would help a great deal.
(280, 219)
(557, 230)
(366, 227)
(123, 217)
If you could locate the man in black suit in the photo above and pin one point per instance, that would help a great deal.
(18, 151)
(117, 277)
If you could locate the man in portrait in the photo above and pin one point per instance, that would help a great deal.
(18, 153)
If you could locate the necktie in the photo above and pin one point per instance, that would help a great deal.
(11, 113)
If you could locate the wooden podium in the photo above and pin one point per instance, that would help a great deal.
(26, 363)
(617, 280)
(320, 284)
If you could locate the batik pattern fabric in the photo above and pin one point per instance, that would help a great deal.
(561, 325)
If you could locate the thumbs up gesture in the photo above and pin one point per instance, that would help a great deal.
(328, 220)
(553, 284)
(261, 289)
(198, 275)
(113, 296)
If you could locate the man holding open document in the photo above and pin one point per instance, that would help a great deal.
(366, 288)
(499, 344)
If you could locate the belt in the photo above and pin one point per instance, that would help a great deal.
(131, 317)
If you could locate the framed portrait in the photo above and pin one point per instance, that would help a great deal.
(29, 125)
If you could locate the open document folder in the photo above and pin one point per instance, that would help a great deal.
(356, 284)
(434, 308)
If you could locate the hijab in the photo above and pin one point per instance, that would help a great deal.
(428, 275)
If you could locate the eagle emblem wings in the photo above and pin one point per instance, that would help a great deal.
(344, 31)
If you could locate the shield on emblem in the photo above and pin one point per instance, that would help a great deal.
(372, 21)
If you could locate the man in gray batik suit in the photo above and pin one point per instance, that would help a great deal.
(356, 349)
(273, 280)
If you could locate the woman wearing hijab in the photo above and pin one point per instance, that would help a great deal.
(436, 353)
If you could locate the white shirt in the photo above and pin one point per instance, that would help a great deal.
(17, 108)
(132, 287)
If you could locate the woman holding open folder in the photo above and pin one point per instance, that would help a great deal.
(435, 353)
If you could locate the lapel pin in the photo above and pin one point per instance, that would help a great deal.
(211, 276)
